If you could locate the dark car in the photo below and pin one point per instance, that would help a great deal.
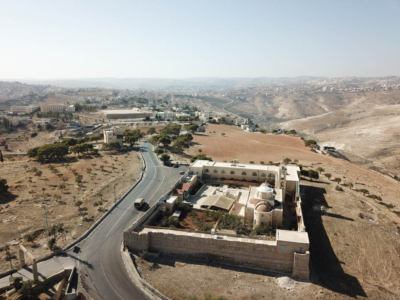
(176, 166)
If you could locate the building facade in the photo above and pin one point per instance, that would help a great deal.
(113, 135)
(52, 107)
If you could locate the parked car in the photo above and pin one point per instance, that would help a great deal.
(182, 173)
(176, 166)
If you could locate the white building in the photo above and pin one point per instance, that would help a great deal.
(70, 108)
(52, 107)
(24, 109)
(164, 115)
(182, 115)
(113, 135)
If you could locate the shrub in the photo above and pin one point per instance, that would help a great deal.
(33, 134)
(375, 197)
(263, 230)
(206, 227)
(170, 222)
(328, 175)
(51, 243)
(183, 207)
(338, 188)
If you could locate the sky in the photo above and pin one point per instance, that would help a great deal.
(186, 39)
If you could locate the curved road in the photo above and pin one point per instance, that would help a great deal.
(100, 258)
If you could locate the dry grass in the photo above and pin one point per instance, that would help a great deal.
(246, 147)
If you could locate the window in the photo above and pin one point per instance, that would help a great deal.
(283, 248)
(232, 172)
(290, 186)
(244, 173)
(301, 249)
(215, 179)
(270, 175)
(206, 170)
(223, 172)
(254, 174)
(263, 175)
(215, 171)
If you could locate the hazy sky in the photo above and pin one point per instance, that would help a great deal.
(178, 39)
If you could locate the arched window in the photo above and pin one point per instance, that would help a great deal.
(222, 171)
(215, 171)
(244, 173)
(254, 174)
(215, 179)
(206, 170)
(263, 175)
(271, 175)
(232, 172)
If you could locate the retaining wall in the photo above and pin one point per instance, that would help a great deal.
(240, 251)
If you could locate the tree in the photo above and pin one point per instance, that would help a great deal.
(43, 190)
(172, 129)
(192, 127)
(222, 120)
(165, 140)
(350, 185)
(180, 144)
(158, 151)
(200, 157)
(164, 158)
(50, 151)
(8, 255)
(131, 139)
(262, 130)
(287, 160)
(338, 180)
(3, 187)
(310, 143)
(319, 169)
(200, 150)
(33, 152)
(111, 146)
(328, 175)
(78, 204)
(151, 131)
(223, 133)
(313, 174)
(70, 141)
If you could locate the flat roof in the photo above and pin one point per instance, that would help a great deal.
(219, 201)
(123, 111)
(205, 163)
(292, 236)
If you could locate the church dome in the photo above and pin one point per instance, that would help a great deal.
(263, 207)
(264, 189)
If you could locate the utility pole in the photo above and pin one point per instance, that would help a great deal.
(45, 219)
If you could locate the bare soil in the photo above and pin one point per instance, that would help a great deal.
(21, 213)
(354, 240)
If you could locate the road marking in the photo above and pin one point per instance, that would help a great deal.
(155, 173)
(104, 274)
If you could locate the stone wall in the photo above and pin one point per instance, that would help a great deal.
(240, 251)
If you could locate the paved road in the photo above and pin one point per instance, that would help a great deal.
(100, 256)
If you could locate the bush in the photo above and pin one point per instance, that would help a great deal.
(171, 222)
(338, 188)
(309, 143)
(206, 227)
(375, 197)
(183, 207)
(51, 243)
(264, 230)
(33, 134)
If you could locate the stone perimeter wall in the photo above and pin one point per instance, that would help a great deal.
(270, 257)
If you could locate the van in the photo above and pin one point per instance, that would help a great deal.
(139, 203)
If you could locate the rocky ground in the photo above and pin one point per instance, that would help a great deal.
(21, 213)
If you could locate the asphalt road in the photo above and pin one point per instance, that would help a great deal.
(100, 258)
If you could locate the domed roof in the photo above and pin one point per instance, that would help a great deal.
(263, 207)
(265, 189)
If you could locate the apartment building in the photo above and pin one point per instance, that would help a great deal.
(52, 107)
